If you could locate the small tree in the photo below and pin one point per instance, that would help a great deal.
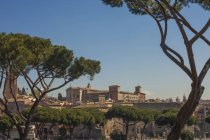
(192, 120)
(60, 97)
(165, 12)
(167, 119)
(72, 118)
(99, 119)
(5, 125)
(98, 115)
(128, 114)
(23, 91)
(147, 116)
(42, 116)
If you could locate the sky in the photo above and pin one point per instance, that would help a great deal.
(126, 45)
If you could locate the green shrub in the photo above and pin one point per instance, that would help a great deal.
(187, 135)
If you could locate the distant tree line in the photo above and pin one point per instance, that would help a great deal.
(69, 119)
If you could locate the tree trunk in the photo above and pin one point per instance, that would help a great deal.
(71, 130)
(89, 131)
(186, 111)
(126, 131)
(23, 133)
(142, 132)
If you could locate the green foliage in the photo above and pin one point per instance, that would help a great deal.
(5, 123)
(17, 118)
(113, 3)
(12, 50)
(126, 113)
(44, 115)
(203, 3)
(69, 117)
(172, 110)
(98, 115)
(187, 135)
(75, 117)
(148, 115)
(168, 117)
(84, 66)
(192, 120)
(132, 114)
(142, 7)
(23, 53)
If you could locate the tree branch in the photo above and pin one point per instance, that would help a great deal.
(164, 47)
(186, 23)
(180, 63)
(186, 41)
(40, 76)
(202, 31)
(204, 71)
(30, 84)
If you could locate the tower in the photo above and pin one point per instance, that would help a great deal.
(10, 86)
(138, 89)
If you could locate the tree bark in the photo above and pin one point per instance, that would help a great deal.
(186, 111)
(126, 131)
(143, 129)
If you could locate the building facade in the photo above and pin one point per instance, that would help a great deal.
(77, 95)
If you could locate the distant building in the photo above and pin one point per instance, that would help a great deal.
(77, 95)
(169, 100)
(14, 107)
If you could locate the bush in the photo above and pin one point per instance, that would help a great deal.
(187, 135)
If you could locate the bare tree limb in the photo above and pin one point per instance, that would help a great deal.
(165, 49)
(204, 71)
(186, 41)
(30, 84)
(50, 83)
(187, 24)
(202, 31)
(41, 79)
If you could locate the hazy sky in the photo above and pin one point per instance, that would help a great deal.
(127, 45)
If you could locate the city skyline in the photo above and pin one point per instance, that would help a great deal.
(128, 50)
